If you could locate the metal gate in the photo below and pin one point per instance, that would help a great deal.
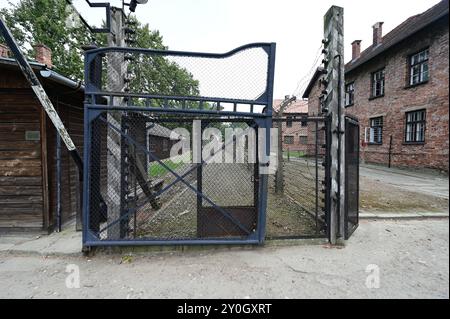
(351, 176)
(137, 189)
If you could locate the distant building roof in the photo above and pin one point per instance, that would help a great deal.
(300, 106)
(406, 29)
(158, 130)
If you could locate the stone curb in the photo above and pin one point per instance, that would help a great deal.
(402, 215)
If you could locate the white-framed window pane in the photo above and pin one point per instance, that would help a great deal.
(415, 70)
(419, 132)
(376, 130)
(378, 83)
(419, 116)
(408, 132)
(419, 67)
(349, 94)
(424, 71)
(289, 140)
(415, 126)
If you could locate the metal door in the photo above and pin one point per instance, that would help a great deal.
(351, 176)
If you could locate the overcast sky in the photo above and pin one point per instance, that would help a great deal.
(296, 26)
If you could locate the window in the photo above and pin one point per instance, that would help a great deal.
(288, 139)
(289, 121)
(418, 70)
(349, 94)
(376, 130)
(303, 140)
(151, 144)
(415, 127)
(304, 122)
(378, 83)
(165, 144)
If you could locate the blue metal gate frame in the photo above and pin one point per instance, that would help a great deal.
(94, 107)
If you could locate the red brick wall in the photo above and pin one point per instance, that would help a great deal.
(296, 131)
(398, 99)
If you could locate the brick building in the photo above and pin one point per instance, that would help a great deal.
(295, 134)
(398, 89)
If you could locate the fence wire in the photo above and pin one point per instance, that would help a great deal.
(154, 194)
(298, 208)
(131, 76)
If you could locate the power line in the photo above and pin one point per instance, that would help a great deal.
(307, 77)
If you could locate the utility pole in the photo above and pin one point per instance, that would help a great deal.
(332, 98)
(279, 176)
(116, 70)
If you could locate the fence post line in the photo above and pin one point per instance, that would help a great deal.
(390, 151)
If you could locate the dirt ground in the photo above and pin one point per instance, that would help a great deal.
(289, 215)
(297, 212)
(293, 213)
(411, 259)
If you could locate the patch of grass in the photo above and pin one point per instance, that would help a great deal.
(127, 259)
(157, 170)
(294, 154)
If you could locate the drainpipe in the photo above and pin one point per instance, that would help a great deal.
(58, 178)
(52, 75)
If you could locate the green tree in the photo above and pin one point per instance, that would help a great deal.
(156, 74)
(45, 21)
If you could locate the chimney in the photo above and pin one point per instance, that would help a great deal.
(43, 54)
(4, 51)
(377, 33)
(356, 49)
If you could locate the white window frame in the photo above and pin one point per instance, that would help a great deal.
(378, 77)
(347, 93)
(373, 131)
(419, 71)
(415, 126)
(289, 136)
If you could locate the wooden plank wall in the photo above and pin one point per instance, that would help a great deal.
(21, 191)
(70, 109)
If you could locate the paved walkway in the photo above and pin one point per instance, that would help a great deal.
(66, 243)
(413, 180)
(404, 259)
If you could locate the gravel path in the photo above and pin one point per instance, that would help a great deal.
(412, 259)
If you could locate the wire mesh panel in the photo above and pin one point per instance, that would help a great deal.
(235, 82)
(159, 185)
(297, 206)
(159, 125)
